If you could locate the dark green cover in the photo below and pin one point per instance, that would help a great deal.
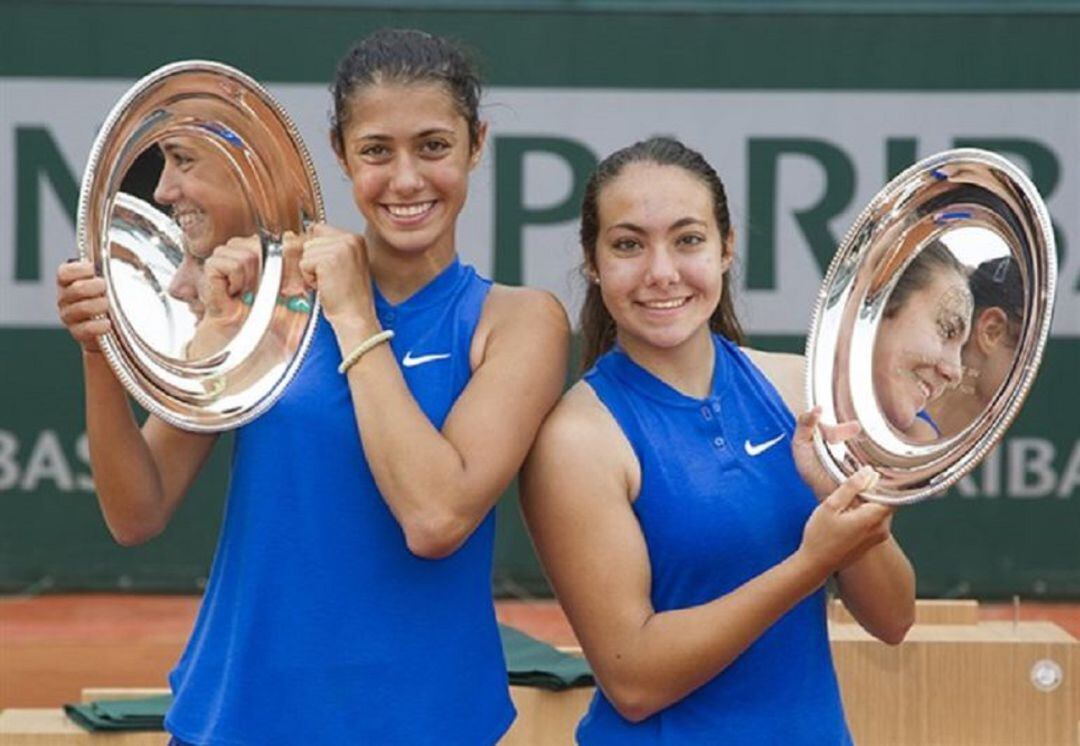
(529, 662)
(121, 714)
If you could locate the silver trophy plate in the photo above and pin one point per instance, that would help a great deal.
(931, 322)
(193, 204)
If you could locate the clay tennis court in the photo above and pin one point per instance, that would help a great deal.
(51, 647)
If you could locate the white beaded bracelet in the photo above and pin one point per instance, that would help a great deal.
(373, 341)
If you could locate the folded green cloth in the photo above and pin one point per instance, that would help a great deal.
(529, 662)
(146, 713)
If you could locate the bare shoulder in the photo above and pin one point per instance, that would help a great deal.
(521, 323)
(786, 372)
(581, 437)
(507, 304)
(580, 421)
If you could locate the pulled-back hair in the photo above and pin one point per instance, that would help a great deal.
(406, 56)
(921, 272)
(997, 283)
(597, 325)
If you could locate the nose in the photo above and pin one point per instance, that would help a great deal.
(951, 366)
(185, 283)
(167, 191)
(661, 269)
(406, 178)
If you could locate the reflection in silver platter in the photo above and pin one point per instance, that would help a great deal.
(994, 331)
(145, 250)
(917, 353)
(931, 322)
(209, 146)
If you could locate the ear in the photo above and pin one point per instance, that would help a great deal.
(727, 257)
(339, 153)
(991, 329)
(478, 148)
(589, 271)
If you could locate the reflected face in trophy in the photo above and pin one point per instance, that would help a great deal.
(991, 349)
(185, 283)
(207, 204)
(917, 353)
(998, 291)
(989, 353)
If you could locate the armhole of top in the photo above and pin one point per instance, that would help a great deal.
(772, 392)
(622, 424)
(482, 287)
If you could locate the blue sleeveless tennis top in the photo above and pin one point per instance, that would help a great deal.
(318, 625)
(721, 503)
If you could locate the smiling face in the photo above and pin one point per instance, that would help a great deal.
(917, 349)
(407, 151)
(207, 204)
(659, 255)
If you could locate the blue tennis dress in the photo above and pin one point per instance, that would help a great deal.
(721, 503)
(318, 625)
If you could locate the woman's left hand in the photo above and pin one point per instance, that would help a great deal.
(334, 263)
(807, 462)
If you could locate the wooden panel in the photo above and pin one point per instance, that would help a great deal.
(546, 717)
(958, 685)
(929, 611)
(51, 727)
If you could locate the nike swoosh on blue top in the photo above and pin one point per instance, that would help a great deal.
(409, 361)
(754, 450)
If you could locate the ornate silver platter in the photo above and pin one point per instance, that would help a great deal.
(931, 322)
(195, 196)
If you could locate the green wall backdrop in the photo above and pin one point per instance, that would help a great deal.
(805, 108)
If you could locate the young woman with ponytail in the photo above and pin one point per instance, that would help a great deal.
(349, 600)
(676, 503)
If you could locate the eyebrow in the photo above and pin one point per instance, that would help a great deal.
(951, 314)
(171, 147)
(678, 224)
(379, 137)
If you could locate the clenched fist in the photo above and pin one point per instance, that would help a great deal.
(335, 263)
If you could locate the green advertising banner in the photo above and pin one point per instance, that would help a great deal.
(805, 113)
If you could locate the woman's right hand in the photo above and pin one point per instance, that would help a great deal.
(82, 304)
(844, 526)
(335, 263)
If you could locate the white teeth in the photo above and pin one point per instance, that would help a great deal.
(187, 221)
(665, 304)
(409, 211)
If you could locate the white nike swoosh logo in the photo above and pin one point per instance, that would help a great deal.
(755, 450)
(409, 361)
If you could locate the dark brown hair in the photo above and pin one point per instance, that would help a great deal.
(406, 56)
(920, 273)
(597, 326)
(996, 283)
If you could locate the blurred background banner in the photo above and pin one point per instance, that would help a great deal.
(806, 109)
